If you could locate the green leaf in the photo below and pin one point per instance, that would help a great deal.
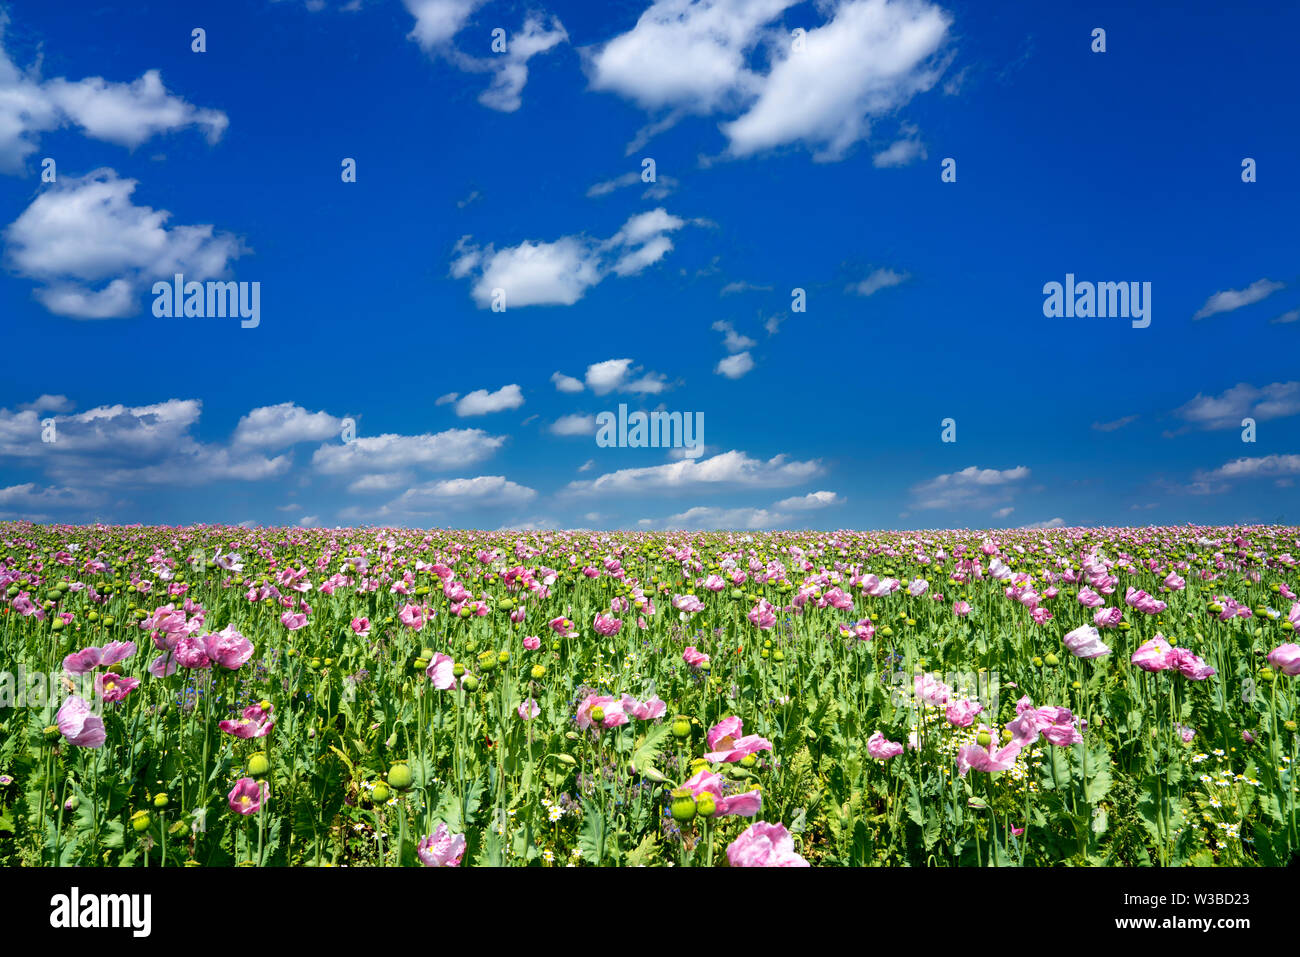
(591, 836)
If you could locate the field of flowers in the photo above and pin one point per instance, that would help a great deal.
(228, 696)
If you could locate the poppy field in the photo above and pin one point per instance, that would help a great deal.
(227, 696)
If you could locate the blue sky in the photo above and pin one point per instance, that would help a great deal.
(777, 168)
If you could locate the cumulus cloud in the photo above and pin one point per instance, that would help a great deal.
(483, 402)
(870, 58)
(810, 501)
(1266, 466)
(536, 273)
(732, 340)
(613, 375)
(453, 448)
(733, 367)
(908, 148)
(126, 114)
(1225, 411)
(972, 487)
(1231, 299)
(93, 249)
(575, 424)
(732, 468)
(279, 426)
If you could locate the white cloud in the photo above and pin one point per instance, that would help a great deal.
(878, 280)
(661, 186)
(483, 402)
(449, 397)
(869, 60)
(1230, 299)
(1267, 466)
(30, 496)
(732, 340)
(126, 114)
(906, 149)
(1274, 401)
(453, 448)
(48, 403)
(1116, 424)
(438, 21)
(708, 517)
(81, 232)
(1050, 523)
(1291, 315)
(439, 496)
(1004, 512)
(380, 482)
(732, 468)
(810, 501)
(733, 367)
(279, 426)
(566, 383)
(561, 272)
(617, 375)
(972, 487)
(576, 424)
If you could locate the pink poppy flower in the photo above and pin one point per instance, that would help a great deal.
(1153, 655)
(532, 643)
(693, 657)
(441, 848)
(247, 795)
(191, 652)
(83, 661)
(1189, 665)
(931, 690)
(412, 616)
(293, 620)
(441, 672)
(562, 626)
(228, 648)
(744, 804)
(113, 688)
(972, 756)
(726, 746)
(961, 608)
(1107, 617)
(528, 710)
(163, 666)
(644, 711)
(961, 714)
(1089, 598)
(607, 625)
(611, 706)
(687, 604)
(881, 748)
(763, 615)
(361, 627)
(764, 845)
(80, 725)
(1286, 659)
(1084, 642)
(255, 723)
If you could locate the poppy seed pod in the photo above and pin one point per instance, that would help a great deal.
(399, 776)
(141, 820)
(258, 765)
(683, 806)
(983, 739)
(681, 727)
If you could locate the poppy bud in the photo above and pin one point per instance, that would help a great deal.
(1051, 660)
(470, 683)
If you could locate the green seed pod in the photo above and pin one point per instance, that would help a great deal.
(681, 727)
(381, 793)
(706, 805)
(1051, 660)
(983, 739)
(470, 683)
(538, 672)
(141, 820)
(258, 765)
(683, 806)
(399, 776)
(160, 801)
(748, 761)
